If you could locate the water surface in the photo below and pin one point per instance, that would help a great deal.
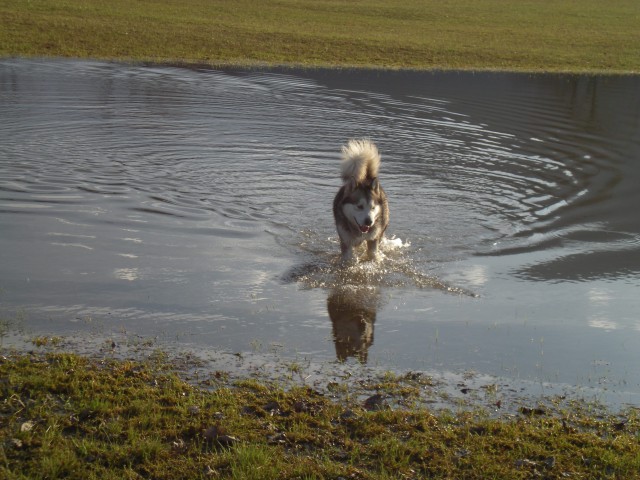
(195, 205)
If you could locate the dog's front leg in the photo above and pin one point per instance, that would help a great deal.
(347, 253)
(372, 249)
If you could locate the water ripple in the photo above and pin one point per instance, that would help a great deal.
(488, 160)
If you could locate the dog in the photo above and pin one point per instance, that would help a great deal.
(360, 207)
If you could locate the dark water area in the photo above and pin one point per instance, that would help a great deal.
(195, 205)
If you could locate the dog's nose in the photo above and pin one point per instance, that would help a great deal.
(368, 222)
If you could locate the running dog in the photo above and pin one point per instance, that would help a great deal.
(360, 207)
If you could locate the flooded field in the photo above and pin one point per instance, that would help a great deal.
(194, 206)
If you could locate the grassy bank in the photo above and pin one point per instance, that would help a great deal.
(64, 416)
(533, 35)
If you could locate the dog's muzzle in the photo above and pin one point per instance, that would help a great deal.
(366, 227)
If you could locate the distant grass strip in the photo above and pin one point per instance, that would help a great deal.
(64, 416)
(524, 35)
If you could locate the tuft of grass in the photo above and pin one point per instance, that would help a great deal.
(43, 341)
(527, 35)
(67, 416)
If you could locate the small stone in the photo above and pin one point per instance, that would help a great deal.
(375, 402)
(348, 415)
(214, 435)
(211, 434)
(620, 425)
(27, 426)
(251, 410)
(271, 407)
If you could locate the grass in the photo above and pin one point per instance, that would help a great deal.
(66, 416)
(525, 35)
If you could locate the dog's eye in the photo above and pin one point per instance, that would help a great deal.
(360, 207)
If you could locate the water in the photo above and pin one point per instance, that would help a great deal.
(195, 206)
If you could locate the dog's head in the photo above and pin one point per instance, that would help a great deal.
(362, 203)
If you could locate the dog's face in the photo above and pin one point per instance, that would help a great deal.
(362, 205)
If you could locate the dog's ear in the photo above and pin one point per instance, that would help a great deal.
(375, 185)
(351, 185)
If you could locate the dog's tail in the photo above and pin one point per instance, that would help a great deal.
(360, 161)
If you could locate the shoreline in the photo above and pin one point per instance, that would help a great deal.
(73, 416)
(441, 390)
(292, 66)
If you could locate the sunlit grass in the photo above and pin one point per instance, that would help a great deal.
(64, 416)
(589, 35)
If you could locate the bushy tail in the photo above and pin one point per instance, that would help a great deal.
(360, 160)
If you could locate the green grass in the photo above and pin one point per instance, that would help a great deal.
(529, 35)
(65, 416)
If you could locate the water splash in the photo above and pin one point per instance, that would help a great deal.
(396, 268)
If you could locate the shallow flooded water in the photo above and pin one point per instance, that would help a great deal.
(195, 205)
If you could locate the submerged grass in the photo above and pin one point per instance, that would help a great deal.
(540, 35)
(66, 416)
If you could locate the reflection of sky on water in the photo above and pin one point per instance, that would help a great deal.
(600, 300)
(129, 274)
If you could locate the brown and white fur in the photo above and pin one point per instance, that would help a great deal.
(360, 208)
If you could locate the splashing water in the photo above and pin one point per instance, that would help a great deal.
(394, 269)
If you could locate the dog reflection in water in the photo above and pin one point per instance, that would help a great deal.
(353, 313)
